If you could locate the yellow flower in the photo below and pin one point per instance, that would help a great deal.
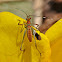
(54, 35)
(10, 48)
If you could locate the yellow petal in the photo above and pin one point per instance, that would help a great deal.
(54, 34)
(43, 46)
(10, 49)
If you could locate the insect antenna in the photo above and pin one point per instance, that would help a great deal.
(42, 17)
(21, 10)
(38, 16)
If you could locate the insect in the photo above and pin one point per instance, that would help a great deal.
(29, 29)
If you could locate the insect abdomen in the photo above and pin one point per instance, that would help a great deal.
(29, 34)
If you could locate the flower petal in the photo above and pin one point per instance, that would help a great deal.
(54, 34)
(10, 49)
(43, 46)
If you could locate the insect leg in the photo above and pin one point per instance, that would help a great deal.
(35, 42)
(35, 24)
(22, 25)
(22, 40)
(34, 38)
(18, 33)
(21, 29)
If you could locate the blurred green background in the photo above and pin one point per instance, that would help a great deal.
(16, 7)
